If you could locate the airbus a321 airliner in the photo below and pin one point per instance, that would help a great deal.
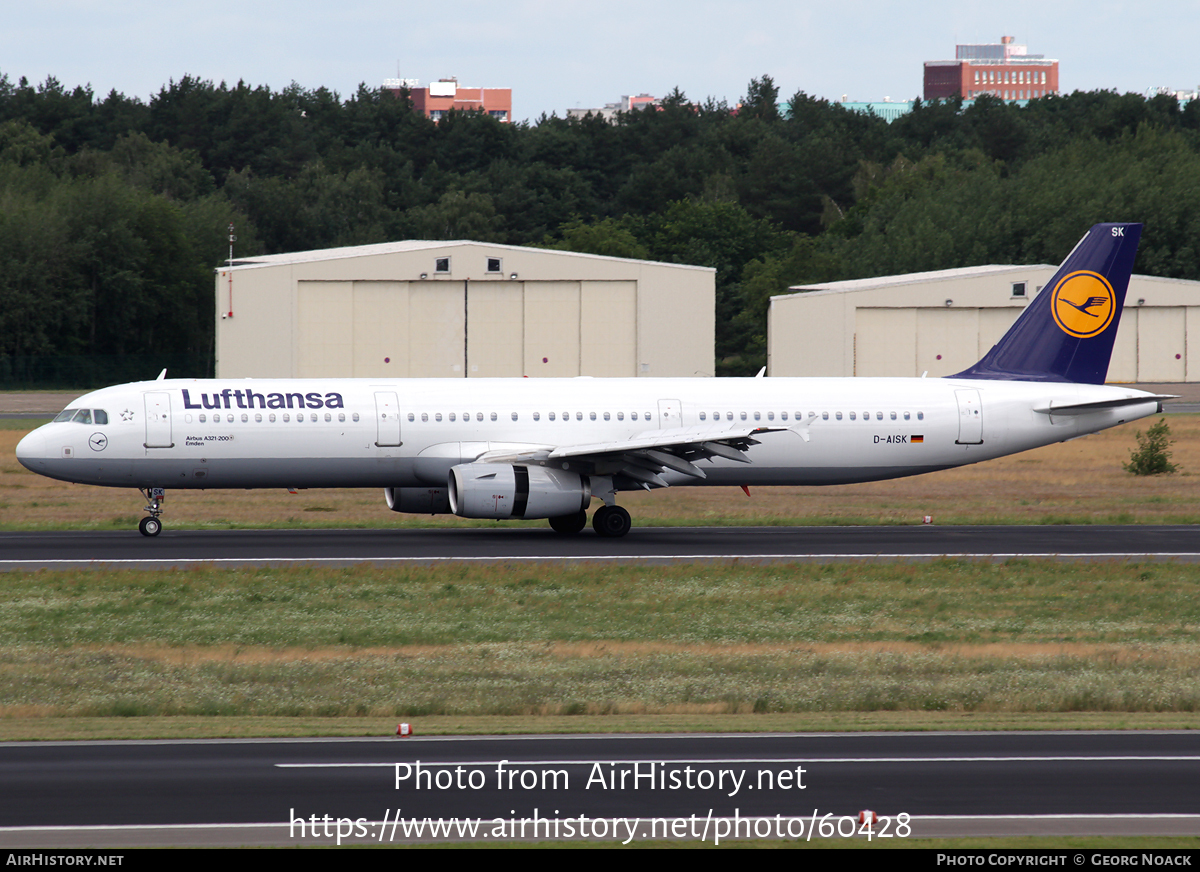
(545, 448)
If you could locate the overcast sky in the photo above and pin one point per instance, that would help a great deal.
(563, 54)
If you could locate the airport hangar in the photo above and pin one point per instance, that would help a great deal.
(437, 309)
(942, 322)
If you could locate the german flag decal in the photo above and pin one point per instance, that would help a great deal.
(916, 440)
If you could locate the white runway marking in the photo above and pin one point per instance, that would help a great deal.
(718, 761)
(1015, 555)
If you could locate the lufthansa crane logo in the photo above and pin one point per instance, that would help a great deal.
(1084, 304)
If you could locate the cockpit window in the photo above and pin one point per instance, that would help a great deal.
(101, 416)
(65, 415)
(83, 416)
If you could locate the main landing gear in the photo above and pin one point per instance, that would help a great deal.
(569, 524)
(611, 522)
(152, 526)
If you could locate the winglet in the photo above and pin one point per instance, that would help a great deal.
(1066, 334)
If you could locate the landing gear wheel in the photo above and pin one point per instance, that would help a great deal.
(150, 526)
(611, 522)
(569, 524)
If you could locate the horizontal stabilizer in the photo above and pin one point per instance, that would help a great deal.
(1067, 407)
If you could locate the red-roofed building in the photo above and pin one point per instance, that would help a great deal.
(438, 98)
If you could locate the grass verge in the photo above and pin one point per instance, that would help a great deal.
(496, 648)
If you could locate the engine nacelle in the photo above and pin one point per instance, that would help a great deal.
(497, 490)
(418, 500)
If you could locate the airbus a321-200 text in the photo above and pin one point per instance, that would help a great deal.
(545, 448)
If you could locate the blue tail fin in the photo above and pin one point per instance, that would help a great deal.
(1066, 334)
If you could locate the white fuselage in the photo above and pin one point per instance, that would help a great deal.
(304, 433)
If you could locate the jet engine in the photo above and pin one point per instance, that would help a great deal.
(497, 490)
(417, 500)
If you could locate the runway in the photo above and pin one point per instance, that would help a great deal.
(275, 791)
(182, 548)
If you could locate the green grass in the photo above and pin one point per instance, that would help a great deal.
(23, 424)
(956, 638)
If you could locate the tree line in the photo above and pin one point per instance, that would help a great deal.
(115, 211)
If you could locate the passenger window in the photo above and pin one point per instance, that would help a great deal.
(354, 416)
(879, 416)
(342, 417)
(920, 416)
(551, 416)
(851, 416)
(702, 418)
(514, 416)
(838, 415)
(607, 416)
(770, 416)
(783, 416)
(493, 416)
(906, 416)
(591, 416)
(824, 416)
(270, 417)
(729, 416)
(893, 416)
(579, 416)
(424, 416)
(437, 416)
(537, 416)
(202, 418)
(245, 418)
(216, 419)
(286, 417)
(743, 416)
(258, 417)
(479, 416)
(101, 416)
(411, 417)
(633, 416)
(328, 417)
(620, 416)
(452, 417)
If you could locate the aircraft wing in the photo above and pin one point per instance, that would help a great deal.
(646, 456)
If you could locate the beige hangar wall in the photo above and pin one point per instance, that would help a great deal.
(392, 311)
(943, 322)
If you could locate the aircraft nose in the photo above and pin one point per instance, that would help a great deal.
(32, 449)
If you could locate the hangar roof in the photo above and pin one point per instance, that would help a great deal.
(969, 272)
(383, 248)
(911, 279)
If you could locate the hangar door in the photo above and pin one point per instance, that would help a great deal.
(456, 329)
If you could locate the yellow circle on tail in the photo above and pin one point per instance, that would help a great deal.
(1083, 304)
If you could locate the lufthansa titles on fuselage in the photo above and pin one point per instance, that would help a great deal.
(230, 398)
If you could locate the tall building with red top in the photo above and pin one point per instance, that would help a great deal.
(1004, 70)
(437, 98)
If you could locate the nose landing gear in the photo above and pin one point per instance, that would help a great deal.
(152, 526)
